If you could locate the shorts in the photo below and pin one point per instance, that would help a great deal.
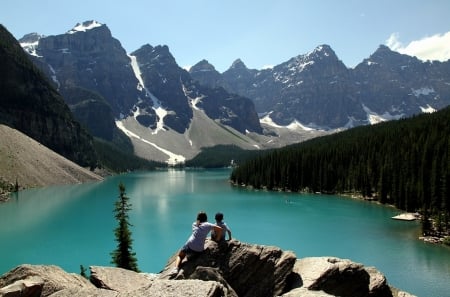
(188, 251)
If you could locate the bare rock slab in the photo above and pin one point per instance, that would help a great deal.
(341, 277)
(52, 279)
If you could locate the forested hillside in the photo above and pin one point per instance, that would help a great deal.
(30, 104)
(405, 163)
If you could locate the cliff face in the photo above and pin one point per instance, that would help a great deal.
(317, 89)
(91, 59)
(228, 269)
(30, 104)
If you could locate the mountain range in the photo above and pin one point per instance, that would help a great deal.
(171, 114)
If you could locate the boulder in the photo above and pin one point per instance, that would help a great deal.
(304, 292)
(341, 277)
(25, 287)
(129, 283)
(117, 279)
(185, 288)
(228, 269)
(51, 279)
(251, 270)
(91, 292)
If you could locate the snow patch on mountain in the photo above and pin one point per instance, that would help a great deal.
(375, 118)
(85, 26)
(294, 126)
(427, 109)
(192, 101)
(30, 47)
(159, 110)
(173, 158)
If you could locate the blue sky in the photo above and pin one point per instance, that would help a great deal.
(260, 32)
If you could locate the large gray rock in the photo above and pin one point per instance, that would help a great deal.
(91, 292)
(341, 277)
(52, 278)
(117, 279)
(185, 288)
(229, 269)
(24, 287)
(251, 270)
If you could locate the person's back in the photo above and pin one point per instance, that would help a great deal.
(223, 225)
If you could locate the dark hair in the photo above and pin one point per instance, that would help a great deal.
(219, 216)
(202, 217)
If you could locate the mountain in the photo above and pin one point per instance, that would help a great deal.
(144, 93)
(399, 85)
(169, 114)
(318, 90)
(92, 72)
(30, 104)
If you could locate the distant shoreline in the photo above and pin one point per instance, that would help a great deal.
(435, 237)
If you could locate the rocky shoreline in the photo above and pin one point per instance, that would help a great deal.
(229, 269)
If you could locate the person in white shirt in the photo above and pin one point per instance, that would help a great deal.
(196, 242)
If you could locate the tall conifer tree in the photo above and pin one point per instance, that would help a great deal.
(123, 256)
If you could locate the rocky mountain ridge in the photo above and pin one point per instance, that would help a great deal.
(160, 106)
(144, 93)
(318, 90)
(229, 269)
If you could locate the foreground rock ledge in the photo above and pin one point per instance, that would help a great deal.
(228, 269)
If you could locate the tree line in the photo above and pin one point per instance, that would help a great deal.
(404, 163)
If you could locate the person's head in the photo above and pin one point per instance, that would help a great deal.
(219, 217)
(202, 217)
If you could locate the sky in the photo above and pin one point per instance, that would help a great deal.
(262, 33)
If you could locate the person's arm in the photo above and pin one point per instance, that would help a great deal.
(217, 232)
(229, 233)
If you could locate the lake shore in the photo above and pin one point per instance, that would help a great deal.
(434, 237)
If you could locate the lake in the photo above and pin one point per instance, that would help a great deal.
(73, 225)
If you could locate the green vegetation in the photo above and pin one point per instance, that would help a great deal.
(117, 159)
(30, 104)
(405, 163)
(123, 256)
(221, 156)
(83, 272)
(447, 240)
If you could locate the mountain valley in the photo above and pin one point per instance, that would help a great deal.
(170, 114)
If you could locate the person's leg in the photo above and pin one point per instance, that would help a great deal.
(180, 257)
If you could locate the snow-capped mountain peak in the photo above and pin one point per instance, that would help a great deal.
(85, 26)
(321, 51)
(29, 43)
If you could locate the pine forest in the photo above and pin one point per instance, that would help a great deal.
(404, 163)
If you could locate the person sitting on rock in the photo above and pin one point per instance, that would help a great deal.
(196, 242)
(223, 225)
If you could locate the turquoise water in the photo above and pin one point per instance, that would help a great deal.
(71, 226)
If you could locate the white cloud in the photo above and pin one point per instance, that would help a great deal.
(436, 47)
(268, 67)
(393, 43)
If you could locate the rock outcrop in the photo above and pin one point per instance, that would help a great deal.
(251, 270)
(228, 269)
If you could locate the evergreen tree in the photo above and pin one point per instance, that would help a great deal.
(123, 256)
(405, 163)
(83, 271)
